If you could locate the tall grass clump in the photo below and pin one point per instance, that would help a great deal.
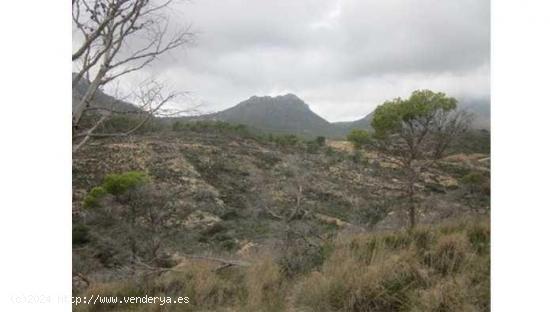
(264, 284)
(428, 269)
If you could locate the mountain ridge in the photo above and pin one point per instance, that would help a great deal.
(282, 114)
(290, 114)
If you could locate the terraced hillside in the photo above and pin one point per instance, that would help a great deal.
(215, 193)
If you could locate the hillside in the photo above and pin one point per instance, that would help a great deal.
(101, 99)
(283, 114)
(226, 192)
(280, 114)
(363, 123)
(221, 203)
(291, 115)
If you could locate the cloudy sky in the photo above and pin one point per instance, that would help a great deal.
(342, 57)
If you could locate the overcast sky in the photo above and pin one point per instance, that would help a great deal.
(342, 57)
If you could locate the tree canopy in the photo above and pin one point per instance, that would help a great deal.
(418, 112)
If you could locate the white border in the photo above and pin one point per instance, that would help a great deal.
(35, 161)
(520, 158)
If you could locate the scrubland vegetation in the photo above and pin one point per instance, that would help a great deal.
(238, 220)
(441, 268)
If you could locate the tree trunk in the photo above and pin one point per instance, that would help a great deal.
(410, 197)
(412, 216)
(84, 102)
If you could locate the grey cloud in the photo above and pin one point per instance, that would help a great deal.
(342, 57)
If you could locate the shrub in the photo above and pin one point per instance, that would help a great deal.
(345, 284)
(301, 259)
(372, 214)
(126, 122)
(177, 126)
(427, 269)
(285, 139)
(264, 286)
(477, 182)
(448, 295)
(94, 196)
(206, 287)
(397, 240)
(114, 184)
(423, 238)
(479, 237)
(320, 140)
(449, 254)
(117, 184)
(473, 178)
(212, 126)
(81, 234)
(357, 157)
(358, 138)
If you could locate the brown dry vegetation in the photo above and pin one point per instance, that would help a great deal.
(443, 268)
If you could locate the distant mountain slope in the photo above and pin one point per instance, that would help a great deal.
(101, 99)
(363, 123)
(280, 114)
(481, 109)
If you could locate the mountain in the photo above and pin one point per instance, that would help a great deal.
(101, 99)
(481, 110)
(279, 114)
(363, 123)
(284, 114)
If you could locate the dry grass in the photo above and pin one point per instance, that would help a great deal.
(264, 285)
(431, 269)
(445, 268)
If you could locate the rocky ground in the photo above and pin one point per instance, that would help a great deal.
(232, 194)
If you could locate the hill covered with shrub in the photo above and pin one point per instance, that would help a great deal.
(241, 221)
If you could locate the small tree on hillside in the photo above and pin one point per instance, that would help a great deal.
(413, 133)
(140, 210)
(358, 138)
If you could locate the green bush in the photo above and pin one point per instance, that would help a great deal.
(357, 157)
(94, 196)
(177, 126)
(286, 139)
(313, 146)
(117, 184)
(358, 138)
(81, 234)
(126, 122)
(479, 236)
(213, 126)
(473, 178)
(477, 182)
(320, 140)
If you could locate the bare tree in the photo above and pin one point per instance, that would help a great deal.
(115, 38)
(448, 127)
(149, 99)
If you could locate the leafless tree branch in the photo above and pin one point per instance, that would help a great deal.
(118, 37)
